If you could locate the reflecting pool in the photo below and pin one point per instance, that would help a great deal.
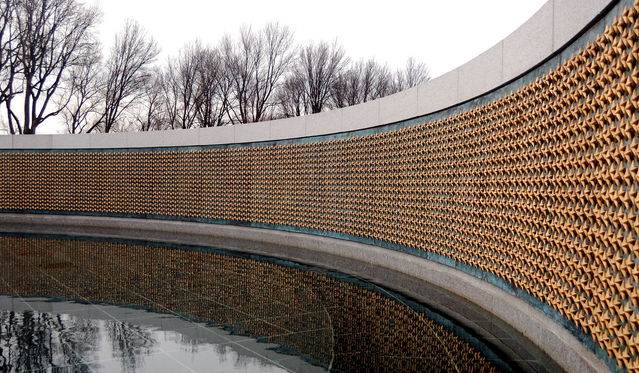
(39, 334)
(140, 304)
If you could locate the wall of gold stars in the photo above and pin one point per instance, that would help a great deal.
(539, 187)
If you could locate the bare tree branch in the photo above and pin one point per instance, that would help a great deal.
(150, 114)
(181, 78)
(292, 98)
(319, 66)
(84, 86)
(8, 46)
(213, 91)
(361, 82)
(52, 37)
(9, 68)
(413, 74)
(127, 73)
(256, 63)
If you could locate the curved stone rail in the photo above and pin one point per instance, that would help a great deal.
(532, 187)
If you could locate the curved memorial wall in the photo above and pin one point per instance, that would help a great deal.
(532, 187)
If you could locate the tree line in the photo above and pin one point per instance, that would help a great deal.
(52, 65)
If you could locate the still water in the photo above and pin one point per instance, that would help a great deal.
(46, 335)
(85, 304)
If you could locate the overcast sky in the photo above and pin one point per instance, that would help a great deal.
(443, 34)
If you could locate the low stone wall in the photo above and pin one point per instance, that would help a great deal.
(533, 187)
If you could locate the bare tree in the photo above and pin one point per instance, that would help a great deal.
(212, 100)
(181, 78)
(127, 73)
(256, 63)
(169, 101)
(150, 114)
(319, 66)
(361, 82)
(197, 89)
(84, 85)
(52, 36)
(413, 74)
(383, 85)
(9, 68)
(292, 98)
(8, 46)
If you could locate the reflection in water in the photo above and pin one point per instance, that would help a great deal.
(43, 341)
(130, 343)
(330, 319)
(37, 341)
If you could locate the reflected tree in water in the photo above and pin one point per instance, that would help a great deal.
(130, 343)
(189, 343)
(80, 337)
(40, 341)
